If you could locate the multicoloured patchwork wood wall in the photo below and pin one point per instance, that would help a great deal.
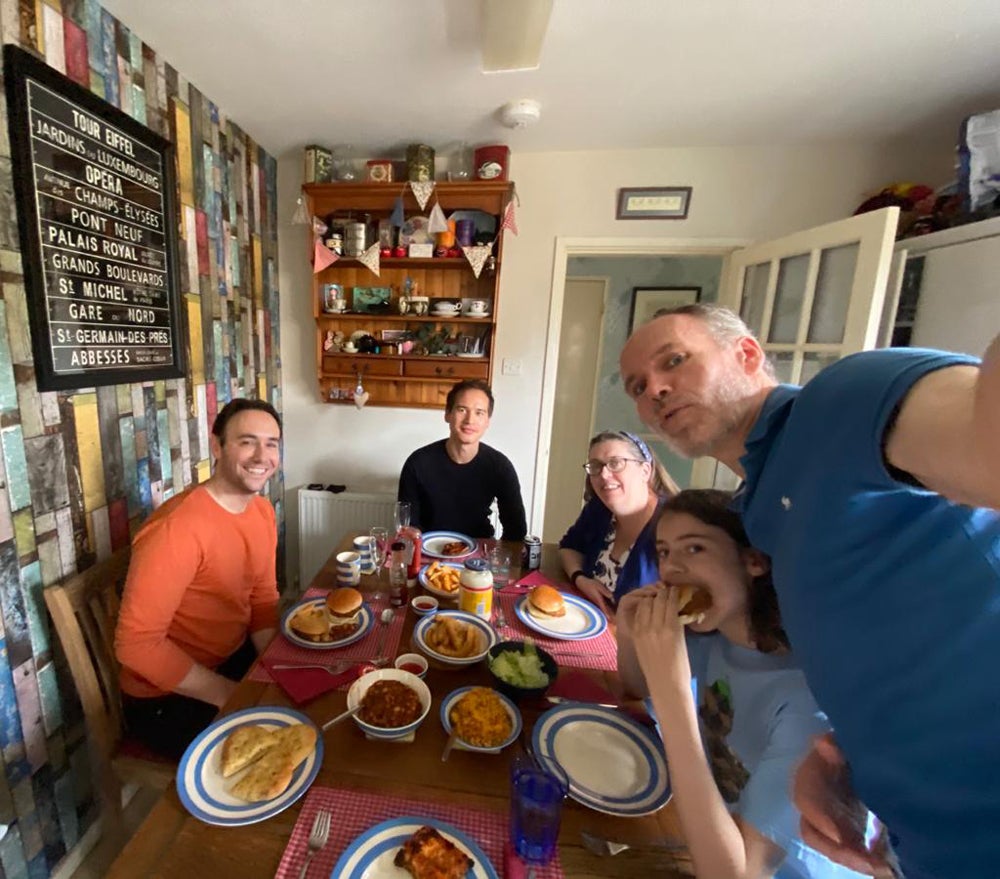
(80, 470)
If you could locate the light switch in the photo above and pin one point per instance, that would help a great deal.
(511, 366)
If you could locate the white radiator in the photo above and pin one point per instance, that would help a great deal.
(324, 518)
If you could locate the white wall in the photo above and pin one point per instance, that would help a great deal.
(751, 193)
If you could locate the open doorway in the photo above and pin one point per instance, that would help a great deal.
(586, 395)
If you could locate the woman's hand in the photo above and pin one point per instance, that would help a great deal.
(652, 619)
(597, 593)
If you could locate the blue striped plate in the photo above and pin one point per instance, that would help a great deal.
(509, 707)
(364, 625)
(582, 620)
(205, 793)
(487, 637)
(614, 764)
(371, 855)
(432, 544)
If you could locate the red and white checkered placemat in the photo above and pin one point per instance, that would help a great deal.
(600, 653)
(355, 811)
(282, 650)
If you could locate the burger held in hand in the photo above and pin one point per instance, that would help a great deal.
(693, 602)
(545, 602)
(343, 610)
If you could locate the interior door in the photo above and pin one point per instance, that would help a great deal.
(810, 298)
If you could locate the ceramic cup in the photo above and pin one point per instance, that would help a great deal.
(363, 547)
(350, 348)
(477, 306)
(348, 568)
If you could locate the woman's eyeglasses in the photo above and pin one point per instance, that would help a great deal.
(615, 465)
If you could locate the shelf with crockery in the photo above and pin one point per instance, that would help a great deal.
(391, 377)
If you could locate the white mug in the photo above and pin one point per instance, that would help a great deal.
(477, 306)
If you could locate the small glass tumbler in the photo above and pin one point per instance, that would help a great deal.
(500, 566)
(536, 797)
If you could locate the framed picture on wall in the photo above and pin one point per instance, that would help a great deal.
(646, 301)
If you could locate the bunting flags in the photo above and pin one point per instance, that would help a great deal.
(371, 260)
(509, 221)
(396, 217)
(323, 257)
(422, 191)
(437, 221)
(477, 256)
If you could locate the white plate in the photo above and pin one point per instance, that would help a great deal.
(364, 625)
(414, 231)
(582, 620)
(614, 765)
(371, 855)
(430, 587)
(470, 314)
(205, 793)
(487, 636)
(512, 712)
(433, 542)
(471, 356)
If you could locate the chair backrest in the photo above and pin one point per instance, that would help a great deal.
(84, 609)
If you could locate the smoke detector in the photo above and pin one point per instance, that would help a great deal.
(520, 114)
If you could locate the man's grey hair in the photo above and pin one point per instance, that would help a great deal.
(723, 324)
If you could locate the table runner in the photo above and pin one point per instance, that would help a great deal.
(282, 650)
(355, 811)
(600, 653)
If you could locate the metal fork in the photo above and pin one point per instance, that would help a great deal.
(318, 836)
(335, 669)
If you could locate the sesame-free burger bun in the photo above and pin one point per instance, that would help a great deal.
(694, 603)
(343, 604)
(311, 622)
(544, 601)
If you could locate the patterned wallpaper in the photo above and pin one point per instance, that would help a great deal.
(81, 469)
(614, 411)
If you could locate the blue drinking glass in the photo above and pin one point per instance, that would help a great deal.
(536, 797)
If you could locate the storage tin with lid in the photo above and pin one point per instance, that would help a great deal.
(475, 588)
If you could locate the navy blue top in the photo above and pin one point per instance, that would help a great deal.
(890, 595)
(587, 536)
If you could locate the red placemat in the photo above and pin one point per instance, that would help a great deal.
(282, 650)
(354, 812)
(600, 653)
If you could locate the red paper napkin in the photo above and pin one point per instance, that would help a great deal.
(305, 684)
(580, 688)
(537, 578)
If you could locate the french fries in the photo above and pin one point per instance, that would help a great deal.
(443, 577)
(451, 637)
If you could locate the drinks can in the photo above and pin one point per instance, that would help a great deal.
(531, 555)
(475, 589)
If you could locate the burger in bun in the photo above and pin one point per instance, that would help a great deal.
(343, 609)
(311, 624)
(694, 603)
(545, 602)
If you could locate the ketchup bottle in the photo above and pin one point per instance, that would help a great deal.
(414, 557)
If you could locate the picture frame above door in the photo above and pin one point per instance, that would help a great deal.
(646, 301)
(653, 203)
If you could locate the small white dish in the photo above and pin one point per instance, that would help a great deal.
(424, 604)
(411, 662)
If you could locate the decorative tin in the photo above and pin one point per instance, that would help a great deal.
(379, 171)
(491, 162)
(319, 164)
(419, 162)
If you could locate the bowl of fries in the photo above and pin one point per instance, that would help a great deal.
(441, 579)
(453, 638)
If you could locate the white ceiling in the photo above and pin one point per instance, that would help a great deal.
(614, 73)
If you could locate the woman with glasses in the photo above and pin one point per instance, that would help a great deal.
(609, 550)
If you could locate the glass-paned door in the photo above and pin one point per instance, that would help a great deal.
(810, 298)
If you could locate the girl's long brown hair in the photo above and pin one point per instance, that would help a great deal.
(711, 506)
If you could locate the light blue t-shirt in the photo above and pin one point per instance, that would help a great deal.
(757, 721)
(890, 595)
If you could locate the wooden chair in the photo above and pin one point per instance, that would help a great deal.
(84, 610)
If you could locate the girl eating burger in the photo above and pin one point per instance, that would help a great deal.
(733, 749)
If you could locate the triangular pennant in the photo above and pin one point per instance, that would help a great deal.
(370, 259)
(437, 221)
(396, 217)
(477, 257)
(323, 257)
(422, 191)
(509, 221)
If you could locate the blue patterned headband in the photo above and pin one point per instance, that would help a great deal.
(640, 444)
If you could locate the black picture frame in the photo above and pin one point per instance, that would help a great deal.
(646, 301)
(96, 194)
(653, 203)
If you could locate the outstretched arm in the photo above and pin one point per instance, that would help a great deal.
(947, 434)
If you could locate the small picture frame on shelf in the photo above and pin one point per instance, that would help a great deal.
(371, 300)
(393, 335)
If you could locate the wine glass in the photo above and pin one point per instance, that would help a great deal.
(380, 547)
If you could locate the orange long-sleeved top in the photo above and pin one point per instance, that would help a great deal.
(199, 579)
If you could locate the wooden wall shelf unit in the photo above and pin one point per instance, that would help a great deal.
(404, 380)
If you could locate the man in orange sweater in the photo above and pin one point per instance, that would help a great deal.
(201, 579)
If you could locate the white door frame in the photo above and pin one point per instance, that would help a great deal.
(604, 246)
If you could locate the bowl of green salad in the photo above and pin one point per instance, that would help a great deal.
(521, 669)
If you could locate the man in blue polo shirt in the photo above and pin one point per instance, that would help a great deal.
(874, 490)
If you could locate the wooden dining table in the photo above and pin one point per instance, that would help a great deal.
(172, 843)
